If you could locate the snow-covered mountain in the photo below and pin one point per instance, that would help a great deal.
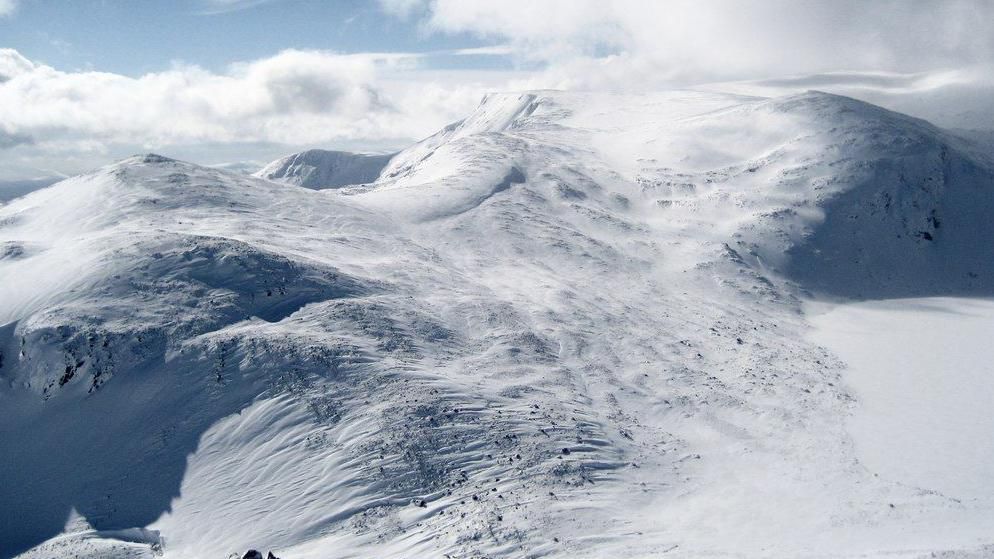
(319, 169)
(571, 325)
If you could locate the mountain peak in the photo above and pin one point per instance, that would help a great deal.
(149, 158)
(318, 169)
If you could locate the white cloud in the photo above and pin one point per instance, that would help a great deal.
(7, 7)
(591, 43)
(494, 50)
(930, 59)
(293, 98)
(13, 64)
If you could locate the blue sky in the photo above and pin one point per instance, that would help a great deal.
(134, 37)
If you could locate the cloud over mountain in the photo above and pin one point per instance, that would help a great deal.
(589, 40)
(294, 97)
(929, 59)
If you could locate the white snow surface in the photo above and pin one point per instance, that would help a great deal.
(922, 373)
(319, 169)
(571, 325)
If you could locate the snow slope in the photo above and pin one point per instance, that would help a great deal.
(923, 374)
(571, 325)
(319, 169)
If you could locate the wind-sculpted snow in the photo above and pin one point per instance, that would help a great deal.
(569, 325)
(319, 169)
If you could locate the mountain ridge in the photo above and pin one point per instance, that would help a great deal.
(567, 325)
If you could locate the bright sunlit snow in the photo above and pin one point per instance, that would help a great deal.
(544, 279)
(922, 373)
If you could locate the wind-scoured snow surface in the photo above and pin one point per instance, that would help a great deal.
(571, 325)
(319, 169)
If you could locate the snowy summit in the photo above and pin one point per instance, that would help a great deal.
(319, 169)
(568, 314)
(719, 321)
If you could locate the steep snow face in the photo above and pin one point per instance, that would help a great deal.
(569, 325)
(318, 169)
